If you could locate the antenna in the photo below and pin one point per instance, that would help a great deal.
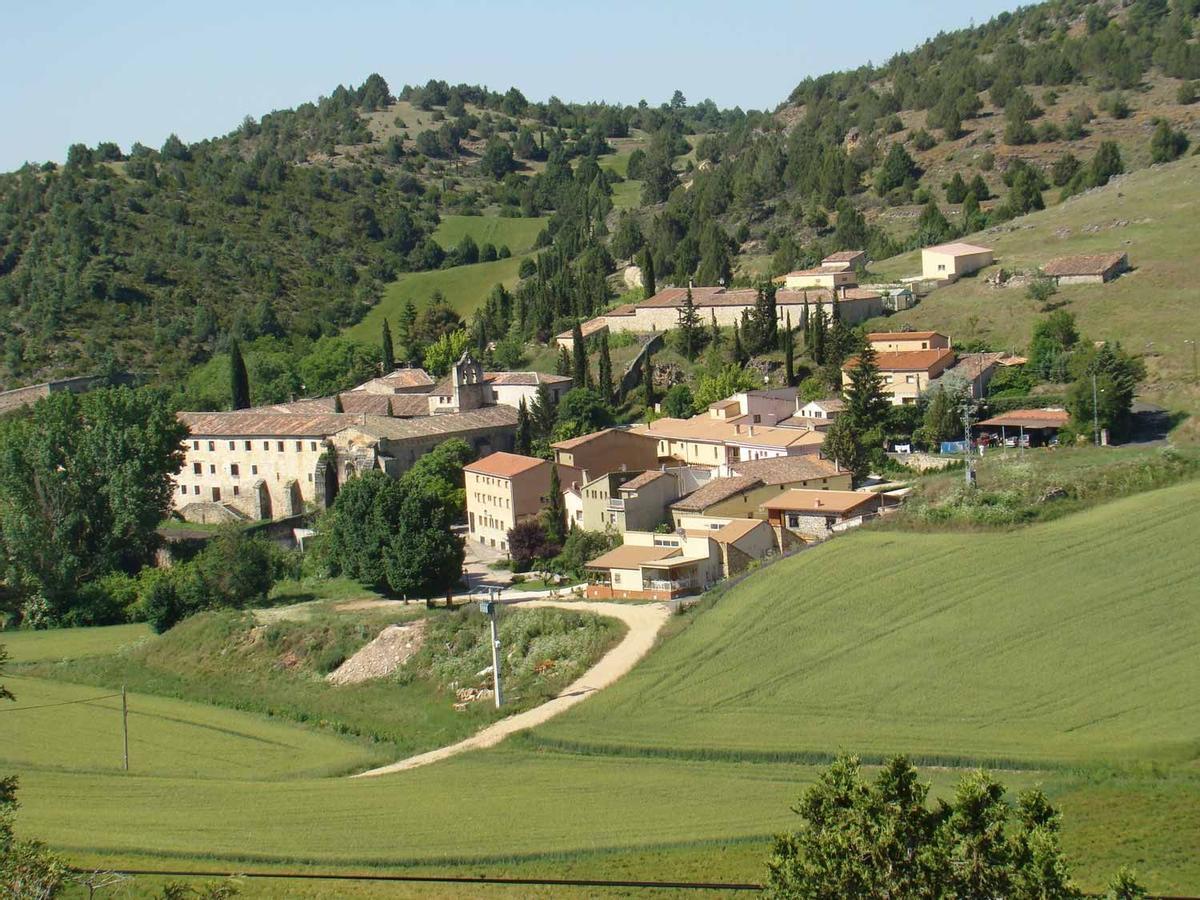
(968, 413)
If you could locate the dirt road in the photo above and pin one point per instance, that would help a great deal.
(643, 622)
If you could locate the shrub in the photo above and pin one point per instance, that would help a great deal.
(1186, 95)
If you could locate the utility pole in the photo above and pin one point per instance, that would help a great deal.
(968, 409)
(125, 724)
(1195, 366)
(489, 608)
(1095, 412)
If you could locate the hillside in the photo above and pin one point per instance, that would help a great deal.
(939, 644)
(1150, 215)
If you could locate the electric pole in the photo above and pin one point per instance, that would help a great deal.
(125, 725)
(968, 410)
(489, 608)
(1095, 412)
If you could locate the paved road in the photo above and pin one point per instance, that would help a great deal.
(643, 621)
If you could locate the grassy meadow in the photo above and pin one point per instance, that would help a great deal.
(71, 643)
(517, 234)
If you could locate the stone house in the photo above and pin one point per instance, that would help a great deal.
(1095, 269)
(800, 516)
(510, 388)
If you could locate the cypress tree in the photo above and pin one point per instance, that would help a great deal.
(716, 331)
(579, 360)
(605, 365)
(389, 350)
(739, 352)
(405, 325)
(816, 348)
(648, 381)
(523, 441)
(543, 413)
(239, 380)
(770, 324)
(562, 365)
(337, 403)
(789, 352)
(648, 286)
(689, 326)
(806, 322)
(556, 516)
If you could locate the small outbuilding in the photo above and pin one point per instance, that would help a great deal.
(1095, 269)
(1024, 427)
(949, 262)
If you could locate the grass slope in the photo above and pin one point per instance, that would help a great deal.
(518, 234)
(1149, 214)
(1067, 642)
(465, 287)
(70, 643)
(186, 740)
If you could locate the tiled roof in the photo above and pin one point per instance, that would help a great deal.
(972, 365)
(905, 360)
(504, 465)
(903, 335)
(644, 479)
(266, 423)
(706, 429)
(572, 443)
(787, 469)
(444, 424)
(1030, 418)
(736, 530)
(1083, 265)
(590, 327)
(629, 556)
(801, 500)
(408, 406)
(406, 378)
(715, 491)
(819, 270)
(844, 256)
(829, 404)
(958, 248)
(523, 378)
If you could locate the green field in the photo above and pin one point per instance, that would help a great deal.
(1063, 643)
(517, 234)
(70, 643)
(1149, 214)
(465, 288)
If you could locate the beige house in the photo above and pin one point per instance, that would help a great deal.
(768, 406)
(629, 501)
(590, 328)
(904, 341)
(652, 566)
(845, 259)
(1096, 269)
(801, 516)
(949, 262)
(510, 388)
(906, 374)
(713, 442)
(502, 490)
(827, 409)
(610, 450)
(787, 472)
(829, 277)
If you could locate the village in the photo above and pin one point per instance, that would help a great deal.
(690, 501)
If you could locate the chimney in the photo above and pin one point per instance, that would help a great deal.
(750, 430)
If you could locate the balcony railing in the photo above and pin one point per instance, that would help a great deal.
(682, 584)
(616, 503)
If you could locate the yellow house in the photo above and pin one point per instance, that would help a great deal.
(906, 374)
(902, 341)
(949, 262)
(502, 490)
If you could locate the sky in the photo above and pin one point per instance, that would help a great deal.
(87, 72)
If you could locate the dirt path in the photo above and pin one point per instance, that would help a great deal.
(643, 622)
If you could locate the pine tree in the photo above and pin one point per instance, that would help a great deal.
(648, 286)
(389, 350)
(556, 514)
(544, 414)
(579, 360)
(689, 326)
(789, 351)
(605, 370)
(523, 441)
(239, 380)
(648, 381)
(866, 404)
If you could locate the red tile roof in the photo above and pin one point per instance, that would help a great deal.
(504, 465)
(906, 360)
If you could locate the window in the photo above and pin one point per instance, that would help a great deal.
(757, 419)
(279, 446)
(313, 446)
(216, 495)
(195, 445)
(941, 267)
(247, 445)
(212, 469)
(299, 446)
(266, 445)
(197, 468)
(234, 471)
(235, 490)
(887, 379)
(254, 471)
(793, 520)
(183, 489)
(212, 445)
(196, 489)
(233, 445)
(310, 476)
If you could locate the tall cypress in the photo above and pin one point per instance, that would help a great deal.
(605, 366)
(648, 381)
(689, 326)
(739, 351)
(789, 352)
(716, 331)
(648, 285)
(806, 323)
(523, 441)
(816, 347)
(239, 380)
(389, 349)
(579, 360)
(770, 325)
(556, 514)
(543, 413)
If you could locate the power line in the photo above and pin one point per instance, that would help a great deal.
(8, 709)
